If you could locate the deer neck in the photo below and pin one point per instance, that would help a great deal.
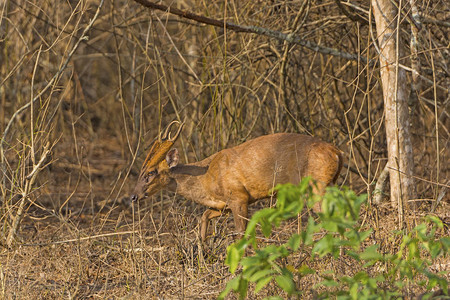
(186, 181)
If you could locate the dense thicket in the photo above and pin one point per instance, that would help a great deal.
(85, 86)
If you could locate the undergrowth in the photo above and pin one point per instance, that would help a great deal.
(341, 234)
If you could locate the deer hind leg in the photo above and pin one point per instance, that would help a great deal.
(208, 215)
(325, 164)
(319, 190)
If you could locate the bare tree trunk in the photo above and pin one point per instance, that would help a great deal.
(395, 95)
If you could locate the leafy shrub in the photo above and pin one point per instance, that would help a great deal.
(338, 223)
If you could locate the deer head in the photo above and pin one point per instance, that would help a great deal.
(159, 160)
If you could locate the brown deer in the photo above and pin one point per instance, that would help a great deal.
(233, 178)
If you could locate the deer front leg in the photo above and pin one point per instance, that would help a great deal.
(240, 214)
(207, 215)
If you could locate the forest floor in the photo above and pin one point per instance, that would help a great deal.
(100, 246)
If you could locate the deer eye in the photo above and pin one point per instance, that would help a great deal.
(149, 176)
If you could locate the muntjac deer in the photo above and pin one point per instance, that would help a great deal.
(233, 178)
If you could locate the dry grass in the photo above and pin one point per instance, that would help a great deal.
(108, 253)
(78, 235)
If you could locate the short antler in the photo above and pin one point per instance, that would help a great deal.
(176, 134)
(160, 147)
(166, 135)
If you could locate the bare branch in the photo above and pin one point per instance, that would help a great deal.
(352, 16)
(251, 29)
(55, 77)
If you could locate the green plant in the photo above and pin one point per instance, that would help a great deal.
(341, 235)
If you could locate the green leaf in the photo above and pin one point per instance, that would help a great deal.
(243, 287)
(311, 228)
(413, 250)
(260, 274)
(266, 227)
(421, 229)
(262, 283)
(286, 283)
(329, 283)
(435, 220)
(305, 270)
(324, 246)
(445, 243)
(233, 284)
(256, 219)
(361, 276)
(371, 253)
(233, 259)
(363, 235)
(294, 242)
(354, 291)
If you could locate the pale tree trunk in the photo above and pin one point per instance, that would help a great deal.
(395, 95)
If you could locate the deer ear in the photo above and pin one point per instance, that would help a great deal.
(172, 158)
